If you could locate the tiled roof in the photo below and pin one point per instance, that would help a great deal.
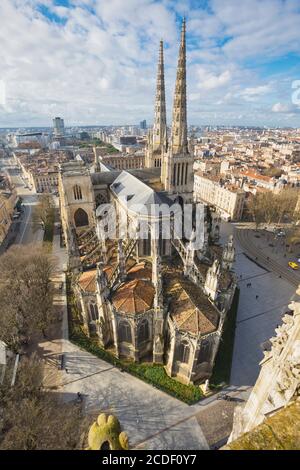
(87, 281)
(140, 271)
(134, 297)
(189, 307)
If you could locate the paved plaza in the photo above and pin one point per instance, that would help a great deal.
(152, 419)
(257, 317)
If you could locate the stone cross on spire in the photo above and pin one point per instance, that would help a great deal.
(160, 122)
(179, 120)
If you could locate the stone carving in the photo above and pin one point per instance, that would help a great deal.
(289, 378)
(282, 334)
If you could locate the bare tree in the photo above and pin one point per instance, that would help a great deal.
(33, 418)
(26, 294)
(269, 207)
(44, 210)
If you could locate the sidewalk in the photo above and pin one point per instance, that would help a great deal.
(51, 349)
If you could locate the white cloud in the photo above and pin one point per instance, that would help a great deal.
(99, 64)
(209, 81)
(284, 108)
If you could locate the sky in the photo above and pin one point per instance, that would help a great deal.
(93, 62)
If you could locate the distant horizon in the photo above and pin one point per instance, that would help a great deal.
(225, 126)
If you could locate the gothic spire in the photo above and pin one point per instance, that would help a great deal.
(160, 124)
(179, 119)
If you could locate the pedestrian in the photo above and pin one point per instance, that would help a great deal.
(256, 297)
(66, 370)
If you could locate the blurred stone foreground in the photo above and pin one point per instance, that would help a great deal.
(105, 434)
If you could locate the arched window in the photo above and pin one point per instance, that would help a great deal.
(93, 311)
(143, 331)
(204, 354)
(183, 352)
(77, 192)
(124, 331)
(81, 218)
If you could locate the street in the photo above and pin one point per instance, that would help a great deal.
(22, 230)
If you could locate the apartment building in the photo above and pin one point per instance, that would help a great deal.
(41, 169)
(227, 198)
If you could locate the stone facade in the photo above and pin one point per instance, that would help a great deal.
(229, 201)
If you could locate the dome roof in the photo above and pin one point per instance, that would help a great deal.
(134, 296)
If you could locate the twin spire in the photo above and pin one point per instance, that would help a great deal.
(179, 120)
(160, 120)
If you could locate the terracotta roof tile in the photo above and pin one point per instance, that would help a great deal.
(134, 297)
(87, 281)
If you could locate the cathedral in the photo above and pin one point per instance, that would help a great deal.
(152, 298)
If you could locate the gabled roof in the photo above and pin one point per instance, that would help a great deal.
(189, 307)
(134, 192)
(87, 281)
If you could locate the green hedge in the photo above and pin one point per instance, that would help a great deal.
(49, 229)
(222, 367)
(153, 374)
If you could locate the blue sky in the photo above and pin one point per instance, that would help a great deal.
(94, 61)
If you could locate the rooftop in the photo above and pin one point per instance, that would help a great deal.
(134, 297)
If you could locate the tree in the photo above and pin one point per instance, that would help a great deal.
(44, 210)
(26, 294)
(33, 418)
(256, 210)
(269, 207)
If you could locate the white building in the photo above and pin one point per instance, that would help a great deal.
(227, 199)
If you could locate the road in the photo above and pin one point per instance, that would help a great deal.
(22, 230)
(273, 259)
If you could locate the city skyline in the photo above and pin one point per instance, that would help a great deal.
(92, 62)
